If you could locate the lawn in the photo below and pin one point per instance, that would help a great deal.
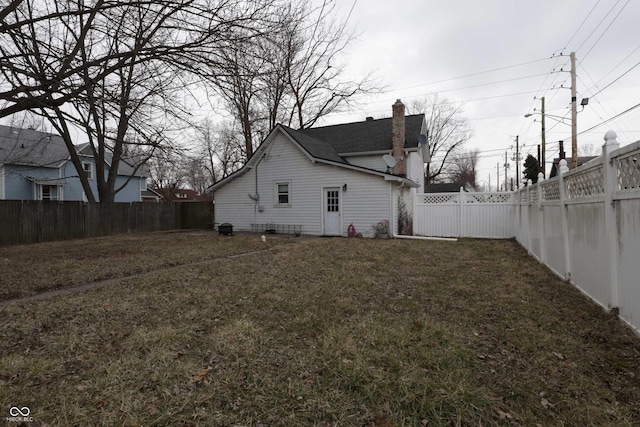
(326, 332)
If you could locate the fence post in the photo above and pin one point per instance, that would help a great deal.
(543, 249)
(525, 213)
(610, 187)
(462, 201)
(562, 170)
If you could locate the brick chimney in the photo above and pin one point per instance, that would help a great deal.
(398, 137)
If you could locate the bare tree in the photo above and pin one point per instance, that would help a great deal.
(462, 167)
(447, 131)
(294, 75)
(315, 67)
(115, 72)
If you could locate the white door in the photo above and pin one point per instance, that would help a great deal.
(332, 212)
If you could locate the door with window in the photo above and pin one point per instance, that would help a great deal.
(332, 220)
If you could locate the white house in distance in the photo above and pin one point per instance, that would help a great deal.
(325, 179)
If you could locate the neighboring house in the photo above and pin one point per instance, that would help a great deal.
(149, 195)
(36, 165)
(449, 187)
(325, 179)
(580, 160)
(180, 195)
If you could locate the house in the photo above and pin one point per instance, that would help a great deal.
(325, 179)
(36, 165)
(580, 161)
(180, 195)
(450, 187)
(150, 195)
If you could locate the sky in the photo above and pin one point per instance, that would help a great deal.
(498, 58)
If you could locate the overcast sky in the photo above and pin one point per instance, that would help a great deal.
(496, 56)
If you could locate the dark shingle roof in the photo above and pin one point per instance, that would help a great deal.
(34, 148)
(556, 163)
(31, 147)
(368, 135)
(316, 148)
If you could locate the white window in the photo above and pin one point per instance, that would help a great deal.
(88, 168)
(181, 196)
(48, 192)
(283, 194)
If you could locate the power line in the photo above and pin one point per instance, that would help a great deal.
(469, 75)
(599, 23)
(606, 29)
(618, 78)
(610, 119)
(583, 21)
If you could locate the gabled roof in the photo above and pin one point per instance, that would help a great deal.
(316, 148)
(125, 167)
(325, 150)
(31, 147)
(556, 163)
(180, 195)
(366, 136)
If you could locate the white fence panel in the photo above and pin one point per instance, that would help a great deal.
(478, 215)
(584, 224)
(629, 259)
(590, 267)
(436, 215)
(554, 249)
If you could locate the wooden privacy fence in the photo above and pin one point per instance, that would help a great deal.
(583, 224)
(31, 221)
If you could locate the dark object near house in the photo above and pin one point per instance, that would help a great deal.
(226, 229)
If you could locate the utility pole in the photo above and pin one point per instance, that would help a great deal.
(506, 166)
(517, 161)
(574, 114)
(541, 156)
(489, 183)
(498, 180)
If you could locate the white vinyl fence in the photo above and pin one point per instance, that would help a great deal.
(482, 215)
(583, 224)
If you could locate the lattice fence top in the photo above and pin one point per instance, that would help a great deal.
(489, 197)
(551, 190)
(441, 198)
(585, 184)
(628, 168)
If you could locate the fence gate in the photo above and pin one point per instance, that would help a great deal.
(479, 215)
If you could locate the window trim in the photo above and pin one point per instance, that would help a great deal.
(55, 192)
(276, 194)
(91, 170)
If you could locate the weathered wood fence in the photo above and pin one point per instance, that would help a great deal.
(31, 221)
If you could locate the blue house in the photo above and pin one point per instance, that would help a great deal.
(36, 165)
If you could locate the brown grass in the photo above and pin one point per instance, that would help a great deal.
(347, 332)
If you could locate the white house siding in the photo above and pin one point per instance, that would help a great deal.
(365, 202)
(415, 170)
(374, 162)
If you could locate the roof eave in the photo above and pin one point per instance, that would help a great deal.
(374, 153)
(386, 176)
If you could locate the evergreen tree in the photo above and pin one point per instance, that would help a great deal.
(531, 169)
